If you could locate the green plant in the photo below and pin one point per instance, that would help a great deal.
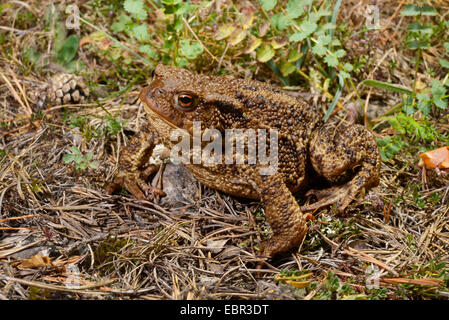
(174, 48)
(412, 119)
(81, 162)
(64, 47)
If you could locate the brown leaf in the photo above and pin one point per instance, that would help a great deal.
(421, 282)
(247, 17)
(35, 261)
(438, 158)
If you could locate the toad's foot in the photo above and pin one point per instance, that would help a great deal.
(283, 214)
(326, 197)
(133, 168)
(135, 184)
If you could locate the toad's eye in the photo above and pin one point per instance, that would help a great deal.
(185, 101)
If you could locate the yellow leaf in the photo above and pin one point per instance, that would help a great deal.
(224, 31)
(247, 17)
(298, 284)
(237, 37)
(279, 42)
(254, 43)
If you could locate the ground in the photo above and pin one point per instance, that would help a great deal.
(63, 237)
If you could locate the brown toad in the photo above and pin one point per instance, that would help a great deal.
(344, 154)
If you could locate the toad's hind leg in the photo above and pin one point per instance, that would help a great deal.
(283, 214)
(336, 148)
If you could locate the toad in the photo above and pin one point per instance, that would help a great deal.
(343, 154)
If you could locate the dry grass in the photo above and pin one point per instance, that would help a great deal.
(207, 248)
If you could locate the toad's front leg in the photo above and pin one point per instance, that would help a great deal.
(133, 167)
(283, 214)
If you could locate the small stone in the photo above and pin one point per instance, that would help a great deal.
(59, 93)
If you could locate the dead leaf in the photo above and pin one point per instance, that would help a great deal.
(247, 17)
(237, 37)
(35, 261)
(97, 39)
(215, 246)
(438, 158)
(224, 31)
(421, 282)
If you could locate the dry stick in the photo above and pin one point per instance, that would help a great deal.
(198, 39)
(61, 288)
(14, 93)
(22, 91)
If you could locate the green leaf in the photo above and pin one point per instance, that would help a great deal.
(294, 55)
(190, 49)
(75, 150)
(31, 55)
(297, 36)
(319, 50)
(410, 10)
(287, 68)
(68, 50)
(279, 21)
(265, 53)
(136, 7)
(340, 53)
(268, 4)
(389, 147)
(140, 31)
(325, 40)
(438, 92)
(345, 75)
(67, 158)
(427, 10)
(416, 44)
(295, 8)
(308, 27)
(386, 86)
(444, 63)
(423, 103)
(74, 66)
(331, 60)
(122, 24)
(446, 46)
(348, 67)
(185, 8)
(94, 164)
(181, 62)
(171, 2)
(146, 48)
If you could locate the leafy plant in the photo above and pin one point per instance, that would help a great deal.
(81, 162)
(412, 121)
(174, 49)
(64, 47)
